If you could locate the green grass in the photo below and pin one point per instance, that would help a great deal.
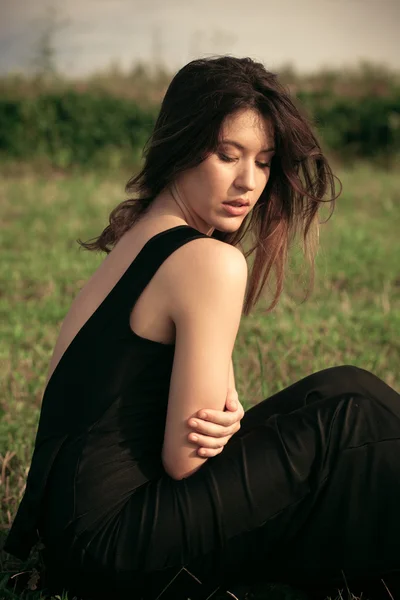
(353, 316)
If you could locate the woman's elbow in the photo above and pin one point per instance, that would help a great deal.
(177, 471)
(173, 473)
(170, 467)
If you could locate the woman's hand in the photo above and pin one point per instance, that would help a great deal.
(212, 429)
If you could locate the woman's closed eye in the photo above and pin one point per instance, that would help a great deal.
(226, 158)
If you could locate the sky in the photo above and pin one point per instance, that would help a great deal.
(309, 34)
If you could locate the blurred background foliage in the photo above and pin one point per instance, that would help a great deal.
(105, 119)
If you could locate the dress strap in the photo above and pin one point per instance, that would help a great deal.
(143, 268)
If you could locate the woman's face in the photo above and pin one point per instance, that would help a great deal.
(238, 170)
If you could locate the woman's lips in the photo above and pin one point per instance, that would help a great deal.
(236, 211)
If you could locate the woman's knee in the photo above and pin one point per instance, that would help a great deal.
(342, 379)
(343, 371)
(349, 379)
(349, 376)
(362, 381)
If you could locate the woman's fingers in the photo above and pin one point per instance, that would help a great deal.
(211, 429)
(205, 441)
(219, 417)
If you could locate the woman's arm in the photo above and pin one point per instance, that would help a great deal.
(206, 308)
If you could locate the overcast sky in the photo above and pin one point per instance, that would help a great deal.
(307, 33)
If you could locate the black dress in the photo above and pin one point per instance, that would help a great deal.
(308, 488)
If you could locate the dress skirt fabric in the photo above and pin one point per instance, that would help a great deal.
(307, 490)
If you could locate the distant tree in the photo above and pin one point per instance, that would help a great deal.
(44, 59)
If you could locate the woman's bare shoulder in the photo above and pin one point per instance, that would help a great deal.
(208, 255)
(204, 266)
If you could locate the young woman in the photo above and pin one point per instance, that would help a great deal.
(141, 485)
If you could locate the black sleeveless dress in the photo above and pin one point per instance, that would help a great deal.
(306, 491)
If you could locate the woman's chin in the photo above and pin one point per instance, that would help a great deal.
(228, 225)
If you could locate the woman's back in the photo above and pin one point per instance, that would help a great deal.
(148, 317)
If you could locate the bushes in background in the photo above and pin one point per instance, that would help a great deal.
(365, 127)
(71, 127)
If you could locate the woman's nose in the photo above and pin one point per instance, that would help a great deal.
(247, 177)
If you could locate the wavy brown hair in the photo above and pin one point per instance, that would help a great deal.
(187, 129)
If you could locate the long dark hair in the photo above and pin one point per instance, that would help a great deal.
(198, 99)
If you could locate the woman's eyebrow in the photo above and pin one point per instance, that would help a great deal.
(240, 147)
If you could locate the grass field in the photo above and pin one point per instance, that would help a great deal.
(353, 316)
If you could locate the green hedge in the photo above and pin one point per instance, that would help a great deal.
(72, 128)
(82, 128)
(365, 127)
